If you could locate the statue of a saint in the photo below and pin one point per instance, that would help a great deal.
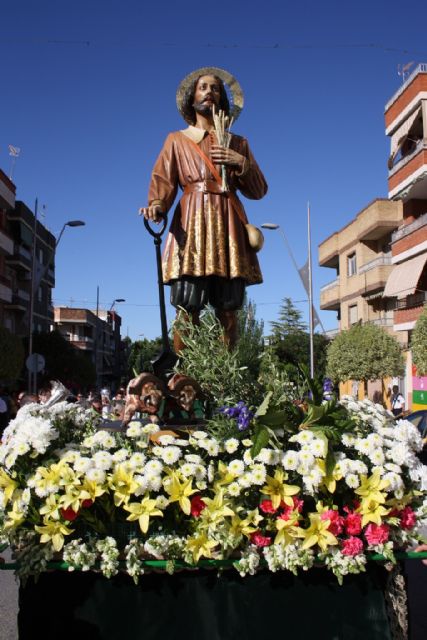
(207, 256)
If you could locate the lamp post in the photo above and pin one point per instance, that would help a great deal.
(307, 283)
(114, 302)
(36, 281)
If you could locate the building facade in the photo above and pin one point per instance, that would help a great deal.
(406, 125)
(97, 335)
(27, 266)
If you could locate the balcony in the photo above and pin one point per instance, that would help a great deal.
(414, 300)
(20, 257)
(408, 178)
(378, 219)
(407, 229)
(380, 261)
(6, 243)
(330, 296)
(20, 300)
(329, 252)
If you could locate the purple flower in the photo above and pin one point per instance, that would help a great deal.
(239, 412)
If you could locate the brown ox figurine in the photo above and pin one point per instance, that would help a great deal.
(144, 393)
(184, 390)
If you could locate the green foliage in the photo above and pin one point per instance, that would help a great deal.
(207, 359)
(142, 352)
(12, 355)
(291, 341)
(289, 322)
(364, 352)
(251, 342)
(419, 344)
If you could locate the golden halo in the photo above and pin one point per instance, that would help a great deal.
(236, 103)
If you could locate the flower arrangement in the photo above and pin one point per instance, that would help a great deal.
(284, 487)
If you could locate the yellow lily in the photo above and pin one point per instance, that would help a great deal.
(51, 507)
(372, 487)
(225, 477)
(372, 511)
(329, 481)
(216, 510)
(245, 526)
(93, 489)
(201, 546)
(48, 477)
(287, 531)
(142, 511)
(179, 491)
(15, 517)
(53, 530)
(8, 485)
(317, 533)
(123, 484)
(278, 491)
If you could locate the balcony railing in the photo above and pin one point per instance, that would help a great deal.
(330, 285)
(404, 231)
(382, 322)
(415, 300)
(421, 68)
(380, 261)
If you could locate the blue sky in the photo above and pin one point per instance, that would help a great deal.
(88, 94)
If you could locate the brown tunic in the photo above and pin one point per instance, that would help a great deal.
(207, 236)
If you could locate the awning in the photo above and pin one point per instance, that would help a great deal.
(399, 137)
(404, 278)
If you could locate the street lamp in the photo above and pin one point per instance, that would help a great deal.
(70, 223)
(35, 282)
(114, 302)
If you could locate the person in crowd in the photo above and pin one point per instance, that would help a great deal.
(96, 403)
(397, 402)
(44, 394)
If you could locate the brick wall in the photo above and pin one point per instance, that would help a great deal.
(409, 241)
(407, 315)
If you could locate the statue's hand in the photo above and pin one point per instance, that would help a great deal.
(222, 155)
(152, 212)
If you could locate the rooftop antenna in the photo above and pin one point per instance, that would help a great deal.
(403, 70)
(14, 153)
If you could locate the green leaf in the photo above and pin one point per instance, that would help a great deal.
(260, 439)
(263, 407)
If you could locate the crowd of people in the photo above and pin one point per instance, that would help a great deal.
(109, 406)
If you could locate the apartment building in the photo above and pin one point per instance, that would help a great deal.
(406, 125)
(27, 257)
(7, 201)
(360, 255)
(96, 334)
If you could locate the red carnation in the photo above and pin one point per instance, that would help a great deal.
(87, 503)
(197, 506)
(353, 524)
(407, 518)
(260, 540)
(336, 521)
(377, 534)
(352, 546)
(266, 506)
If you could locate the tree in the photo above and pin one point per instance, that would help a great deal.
(289, 322)
(141, 353)
(364, 352)
(291, 341)
(12, 355)
(419, 344)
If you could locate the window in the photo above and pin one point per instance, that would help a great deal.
(39, 294)
(352, 315)
(351, 265)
